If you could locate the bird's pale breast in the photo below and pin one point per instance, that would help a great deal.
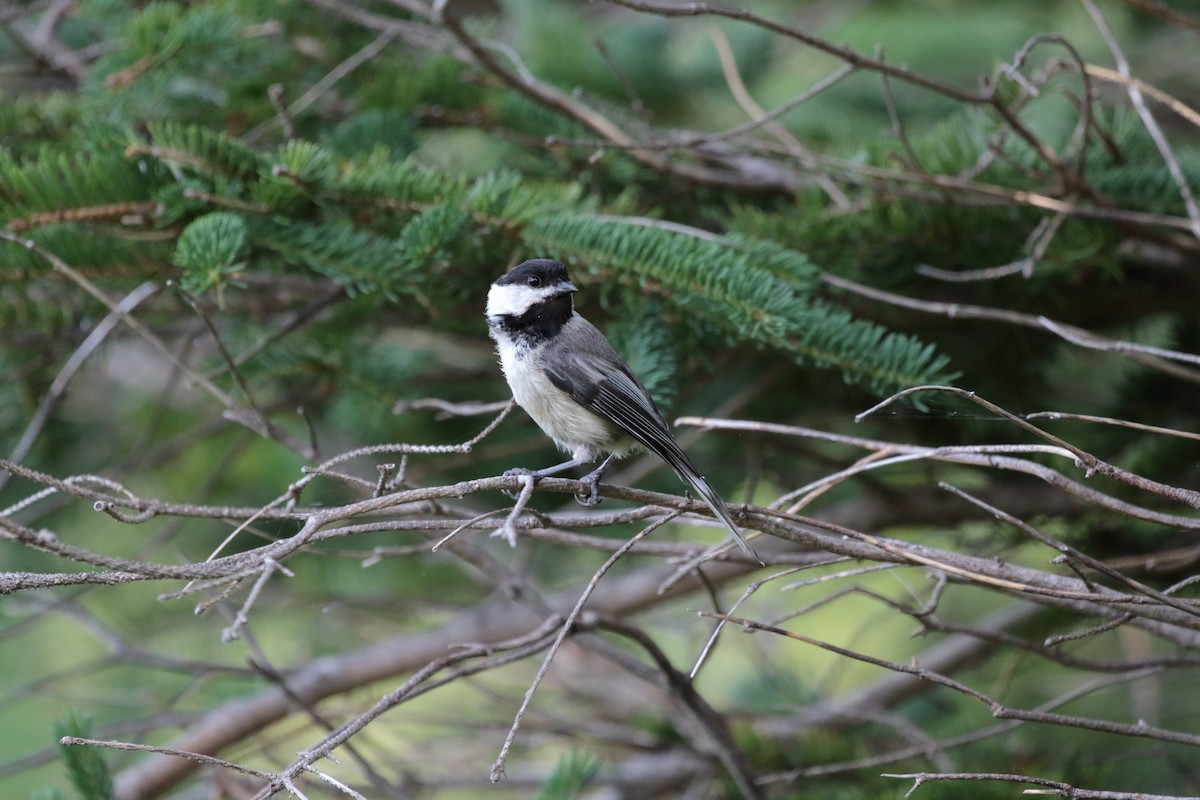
(574, 429)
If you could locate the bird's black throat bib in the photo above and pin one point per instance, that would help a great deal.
(537, 325)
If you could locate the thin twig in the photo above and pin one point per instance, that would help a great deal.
(1052, 787)
(114, 307)
(1073, 553)
(314, 93)
(1139, 105)
(997, 709)
(565, 629)
(1143, 354)
(1090, 462)
(508, 531)
(78, 741)
(1119, 423)
(70, 368)
(733, 79)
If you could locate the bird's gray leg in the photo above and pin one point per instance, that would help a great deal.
(538, 474)
(592, 497)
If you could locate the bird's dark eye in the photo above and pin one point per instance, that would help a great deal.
(534, 281)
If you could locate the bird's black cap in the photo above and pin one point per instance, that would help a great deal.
(545, 271)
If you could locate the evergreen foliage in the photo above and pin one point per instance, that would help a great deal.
(206, 151)
(360, 204)
(301, 207)
(733, 285)
(208, 248)
(643, 337)
(375, 221)
(86, 766)
(569, 778)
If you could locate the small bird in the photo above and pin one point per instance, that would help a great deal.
(567, 376)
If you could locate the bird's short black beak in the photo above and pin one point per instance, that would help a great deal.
(566, 287)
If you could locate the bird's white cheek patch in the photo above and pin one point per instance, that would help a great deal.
(512, 300)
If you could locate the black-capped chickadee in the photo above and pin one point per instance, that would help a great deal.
(567, 376)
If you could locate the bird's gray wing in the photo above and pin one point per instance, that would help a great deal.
(591, 372)
(619, 397)
(588, 369)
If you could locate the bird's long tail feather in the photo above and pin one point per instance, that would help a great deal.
(714, 501)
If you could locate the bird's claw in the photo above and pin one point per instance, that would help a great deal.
(513, 473)
(589, 498)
